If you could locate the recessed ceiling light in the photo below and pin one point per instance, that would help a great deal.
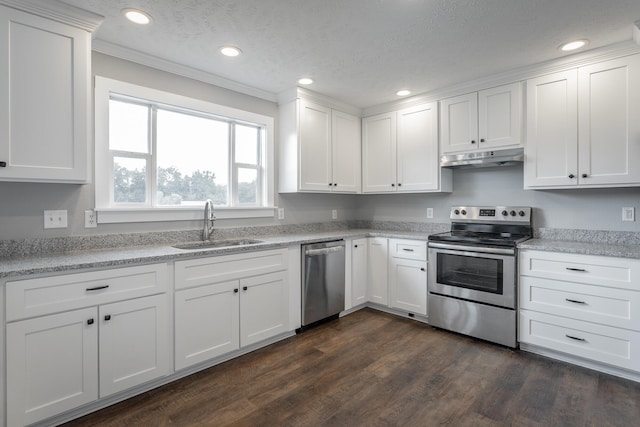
(137, 16)
(403, 92)
(230, 51)
(305, 81)
(573, 45)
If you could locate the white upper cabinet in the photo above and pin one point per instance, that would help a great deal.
(320, 149)
(609, 122)
(483, 120)
(44, 99)
(582, 127)
(400, 152)
(552, 135)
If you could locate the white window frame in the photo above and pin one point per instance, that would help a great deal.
(107, 213)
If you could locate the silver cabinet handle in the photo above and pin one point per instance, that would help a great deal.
(407, 250)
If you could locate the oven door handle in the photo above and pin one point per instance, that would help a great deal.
(478, 249)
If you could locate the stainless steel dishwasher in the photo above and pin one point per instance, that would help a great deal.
(322, 281)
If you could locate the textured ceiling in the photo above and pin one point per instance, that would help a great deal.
(362, 51)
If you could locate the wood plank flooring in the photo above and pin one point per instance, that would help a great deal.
(375, 369)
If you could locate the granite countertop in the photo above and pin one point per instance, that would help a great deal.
(583, 247)
(114, 257)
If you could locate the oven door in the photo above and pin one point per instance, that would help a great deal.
(479, 274)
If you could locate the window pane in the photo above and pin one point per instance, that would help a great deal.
(129, 176)
(247, 186)
(246, 144)
(192, 158)
(128, 127)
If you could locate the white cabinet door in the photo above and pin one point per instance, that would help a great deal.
(52, 365)
(358, 272)
(346, 153)
(315, 146)
(264, 308)
(378, 281)
(379, 153)
(609, 122)
(417, 149)
(459, 123)
(207, 322)
(552, 137)
(44, 80)
(408, 285)
(500, 116)
(135, 343)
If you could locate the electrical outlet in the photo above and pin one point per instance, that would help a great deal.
(334, 214)
(280, 213)
(429, 212)
(55, 219)
(90, 219)
(628, 214)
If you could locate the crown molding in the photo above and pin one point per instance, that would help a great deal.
(58, 11)
(519, 74)
(152, 61)
(298, 92)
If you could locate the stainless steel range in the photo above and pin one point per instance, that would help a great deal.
(472, 272)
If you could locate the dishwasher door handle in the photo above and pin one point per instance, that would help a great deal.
(323, 251)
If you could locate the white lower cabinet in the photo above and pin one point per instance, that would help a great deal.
(358, 272)
(378, 271)
(58, 361)
(227, 302)
(581, 306)
(408, 275)
(390, 273)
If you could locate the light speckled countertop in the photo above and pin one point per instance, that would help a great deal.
(99, 258)
(586, 242)
(584, 248)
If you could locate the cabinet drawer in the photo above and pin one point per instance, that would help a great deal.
(613, 346)
(204, 271)
(603, 271)
(45, 295)
(408, 249)
(608, 306)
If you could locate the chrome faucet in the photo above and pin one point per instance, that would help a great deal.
(209, 219)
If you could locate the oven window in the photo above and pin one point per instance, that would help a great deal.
(481, 274)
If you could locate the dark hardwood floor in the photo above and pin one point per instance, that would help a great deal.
(375, 369)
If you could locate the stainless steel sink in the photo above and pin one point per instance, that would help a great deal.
(216, 244)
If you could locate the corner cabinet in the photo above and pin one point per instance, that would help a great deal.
(582, 127)
(319, 150)
(484, 120)
(400, 152)
(44, 79)
(75, 338)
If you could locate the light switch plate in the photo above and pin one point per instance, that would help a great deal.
(334, 214)
(55, 219)
(280, 213)
(628, 214)
(429, 212)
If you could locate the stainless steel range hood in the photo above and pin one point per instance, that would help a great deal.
(481, 159)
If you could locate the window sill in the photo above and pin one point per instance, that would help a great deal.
(114, 216)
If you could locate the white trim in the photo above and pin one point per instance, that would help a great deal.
(58, 11)
(117, 216)
(142, 58)
(108, 214)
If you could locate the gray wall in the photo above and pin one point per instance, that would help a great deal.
(22, 204)
(592, 209)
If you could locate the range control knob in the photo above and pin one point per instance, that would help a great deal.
(457, 212)
(505, 213)
(463, 212)
(521, 213)
(512, 213)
